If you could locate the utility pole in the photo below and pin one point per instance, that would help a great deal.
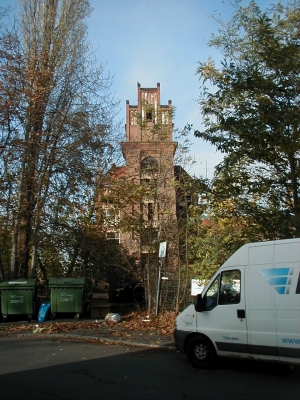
(162, 255)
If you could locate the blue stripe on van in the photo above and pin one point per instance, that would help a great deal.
(275, 281)
(280, 289)
(274, 272)
(277, 277)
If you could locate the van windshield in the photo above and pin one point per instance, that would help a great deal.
(212, 294)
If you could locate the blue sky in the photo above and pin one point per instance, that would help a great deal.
(151, 41)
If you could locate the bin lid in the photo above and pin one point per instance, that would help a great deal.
(18, 283)
(69, 282)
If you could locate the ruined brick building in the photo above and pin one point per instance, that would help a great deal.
(149, 151)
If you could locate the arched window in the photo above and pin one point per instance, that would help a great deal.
(149, 164)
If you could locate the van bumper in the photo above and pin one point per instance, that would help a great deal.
(179, 338)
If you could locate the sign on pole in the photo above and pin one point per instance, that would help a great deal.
(162, 249)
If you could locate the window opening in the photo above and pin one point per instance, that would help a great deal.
(150, 211)
(230, 288)
(149, 164)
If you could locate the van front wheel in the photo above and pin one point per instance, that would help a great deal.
(201, 352)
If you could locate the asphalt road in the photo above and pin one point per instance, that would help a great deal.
(47, 369)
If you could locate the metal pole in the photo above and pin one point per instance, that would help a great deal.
(158, 285)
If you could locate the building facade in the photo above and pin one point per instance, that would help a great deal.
(149, 154)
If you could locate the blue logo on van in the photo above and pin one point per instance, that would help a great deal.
(279, 278)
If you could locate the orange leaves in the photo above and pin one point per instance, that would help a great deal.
(163, 324)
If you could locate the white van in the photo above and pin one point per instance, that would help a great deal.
(250, 308)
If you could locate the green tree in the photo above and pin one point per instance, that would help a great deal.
(216, 230)
(251, 114)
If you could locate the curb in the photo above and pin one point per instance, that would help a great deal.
(96, 338)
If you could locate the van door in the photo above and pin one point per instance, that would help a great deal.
(224, 318)
(287, 308)
(260, 312)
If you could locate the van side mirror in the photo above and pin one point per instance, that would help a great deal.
(199, 303)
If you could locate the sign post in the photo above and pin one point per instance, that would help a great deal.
(161, 255)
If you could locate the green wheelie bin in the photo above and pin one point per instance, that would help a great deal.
(66, 296)
(18, 298)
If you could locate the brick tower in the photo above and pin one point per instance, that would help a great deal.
(149, 153)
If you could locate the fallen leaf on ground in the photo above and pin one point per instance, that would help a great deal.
(163, 324)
